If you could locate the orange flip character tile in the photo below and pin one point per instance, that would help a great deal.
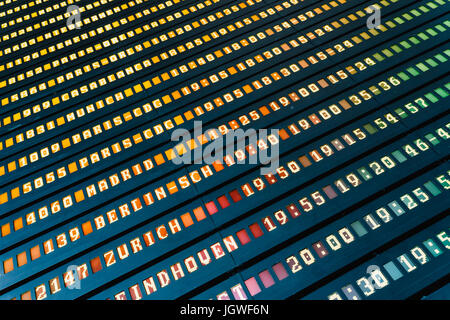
(6, 229)
(187, 219)
(87, 228)
(8, 265)
(21, 259)
(35, 252)
(283, 134)
(199, 213)
(26, 296)
(159, 159)
(96, 264)
(18, 224)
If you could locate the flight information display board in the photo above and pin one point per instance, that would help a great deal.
(224, 150)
